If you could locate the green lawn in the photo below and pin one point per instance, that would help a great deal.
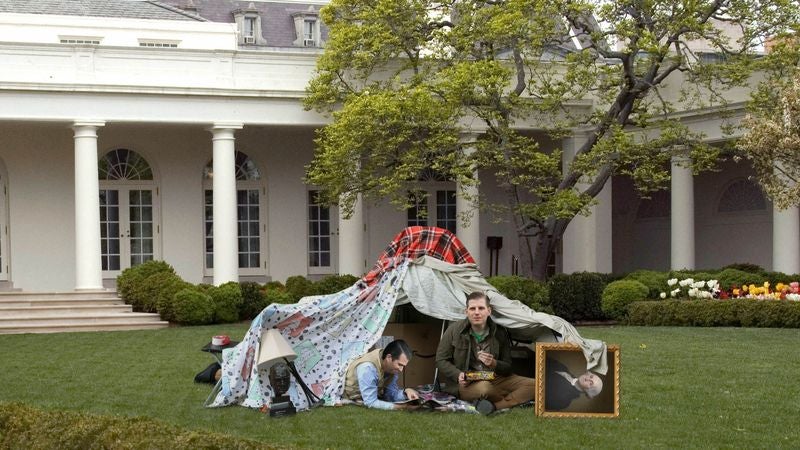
(681, 387)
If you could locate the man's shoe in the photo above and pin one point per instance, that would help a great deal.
(207, 375)
(485, 407)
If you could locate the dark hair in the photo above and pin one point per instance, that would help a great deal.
(477, 295)
(397, 348)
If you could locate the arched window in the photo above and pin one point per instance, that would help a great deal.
(248, 211)
(128, 210)
(124, 164)
(741, 195)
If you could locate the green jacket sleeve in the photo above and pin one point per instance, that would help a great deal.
(444, 355)
(504, 358)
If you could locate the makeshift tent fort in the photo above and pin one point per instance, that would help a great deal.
(425, 266)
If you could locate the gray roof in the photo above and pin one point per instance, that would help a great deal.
(126, 9)
(277, 25)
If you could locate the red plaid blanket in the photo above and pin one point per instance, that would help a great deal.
(414, 242)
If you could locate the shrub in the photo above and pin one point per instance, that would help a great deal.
(532, 293)
(734, 277)
(227, 299)
(577, 296)
(714, 313)
(132, 281)
(252, 300)
(299, 286)
(619, 294)
(164, 287)
(656, 282)
(274, 295)
(191, 306)
(333, 284)
(23, 426)
(745, 267)
(776, 277)
(275, 285)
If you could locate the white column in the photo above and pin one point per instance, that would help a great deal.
(351, 242)
(88, 268)
(786, 240)
(587, 243)
(226, 258)
(468, 227)
(682, 217)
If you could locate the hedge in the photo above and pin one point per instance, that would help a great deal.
(577, 296)
(619, 294)
(532, 293)
(23, 426)
(716, 313)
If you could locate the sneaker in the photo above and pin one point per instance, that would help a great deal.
(485, 407)
(207, 375)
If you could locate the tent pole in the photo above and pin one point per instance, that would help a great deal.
(436, 372)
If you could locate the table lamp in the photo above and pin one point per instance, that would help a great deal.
(274, 349)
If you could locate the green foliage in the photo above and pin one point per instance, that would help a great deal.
(619, 294)
(164, 296)
(772, 142)
(728, 278)
(191, 306)
(273, 295)
(334, 283)
(133, 288)
(299, 286)
(406, 74)
(655, 282)
(744, 267)
(275, 285)
(577, 296)
(227, 299)
(532, 293)
(23, 426)
(716, 313)
(252, 300)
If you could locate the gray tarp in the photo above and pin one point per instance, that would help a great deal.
(437, 289)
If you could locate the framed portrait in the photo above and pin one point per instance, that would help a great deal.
(564, 388)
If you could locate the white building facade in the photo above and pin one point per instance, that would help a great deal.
(142, 131)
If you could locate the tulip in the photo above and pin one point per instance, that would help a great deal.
(672, 282)
(663, 295)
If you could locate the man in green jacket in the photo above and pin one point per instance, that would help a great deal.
(478, 345)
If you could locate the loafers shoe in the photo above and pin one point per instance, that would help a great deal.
(485, 407)
(207, 375)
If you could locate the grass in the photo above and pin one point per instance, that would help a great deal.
(681, 387)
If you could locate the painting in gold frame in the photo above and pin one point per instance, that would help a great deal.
(558, 362)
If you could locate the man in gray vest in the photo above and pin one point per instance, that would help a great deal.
(372, 378)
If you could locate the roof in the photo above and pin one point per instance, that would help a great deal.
(125, 9)
(277, 25)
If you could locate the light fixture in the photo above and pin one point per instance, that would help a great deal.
(275, 349)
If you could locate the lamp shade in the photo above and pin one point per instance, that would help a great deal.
(273, 349)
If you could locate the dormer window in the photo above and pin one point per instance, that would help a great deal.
(248, 21)
(307, 29)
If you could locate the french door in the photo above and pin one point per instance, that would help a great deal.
(129, 229)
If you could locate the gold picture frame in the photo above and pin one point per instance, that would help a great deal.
(565, 401)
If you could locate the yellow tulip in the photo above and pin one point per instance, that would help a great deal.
(736, 292)
(766, 285)
(779, 287)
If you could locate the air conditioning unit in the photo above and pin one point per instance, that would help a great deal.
(309, 43)
(249, 39)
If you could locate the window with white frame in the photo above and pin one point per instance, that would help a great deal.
(307, 28)
(249, 189)
(319, 232)
(248, 21)
(433, 203)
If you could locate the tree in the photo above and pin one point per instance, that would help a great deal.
(772, 140)
(403, 78)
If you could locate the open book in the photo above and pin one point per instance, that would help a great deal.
(430, 399)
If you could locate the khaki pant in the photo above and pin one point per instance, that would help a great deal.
(504, 392)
